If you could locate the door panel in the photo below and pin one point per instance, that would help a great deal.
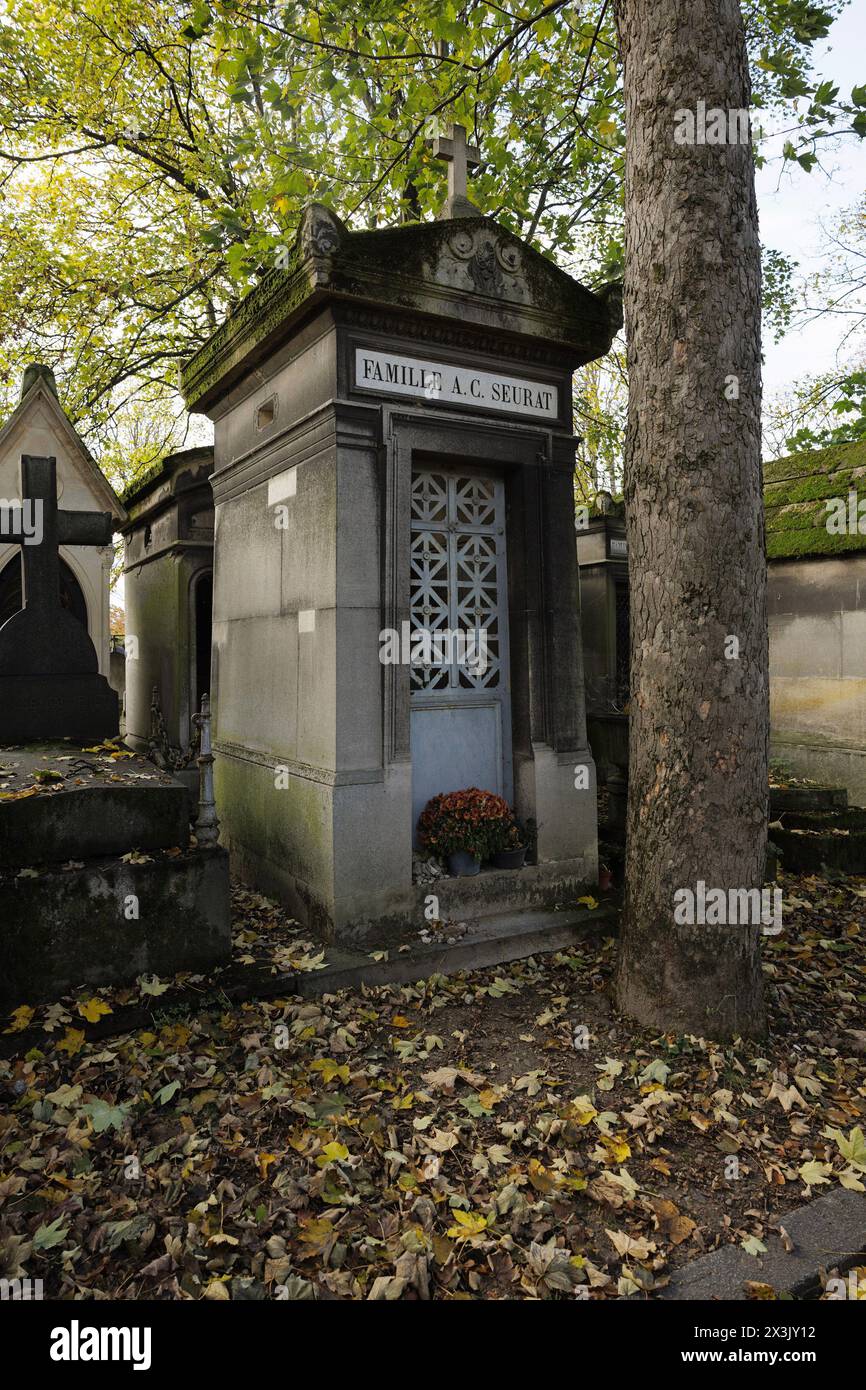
(460, 712)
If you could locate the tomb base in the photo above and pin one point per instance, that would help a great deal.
(79, 707)
(98, 880)
(108, 921)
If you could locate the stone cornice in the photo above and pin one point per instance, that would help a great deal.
(465, 281)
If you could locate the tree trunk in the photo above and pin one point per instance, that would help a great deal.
(699, 723)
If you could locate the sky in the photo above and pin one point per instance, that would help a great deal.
(793, 207)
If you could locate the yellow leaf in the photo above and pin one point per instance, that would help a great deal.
(618, 1148)
(488, 1098)
(93, 1009)
(542, 1180)
(334, 1152)
(330, 1069)
(265, 1161)
(73, 1041)
(814, 1172)
(316, 1232)
(582, 1110)
(21, 1019)
(470, 1223)
(589, 902)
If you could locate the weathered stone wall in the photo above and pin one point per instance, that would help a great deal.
(169, 547)
(817, 618)
(299, 734)
(68, 927)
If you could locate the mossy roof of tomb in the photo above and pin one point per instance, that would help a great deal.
(165, 469)
(796, 491)
(515, 291)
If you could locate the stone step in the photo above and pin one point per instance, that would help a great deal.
(827, 1233)
(492, 940)
(492, 892)
(807, 799)
(809, 839)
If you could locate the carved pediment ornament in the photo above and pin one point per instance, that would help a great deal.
(319, 237)
(462, 243)
(485, 270)
(508, 256)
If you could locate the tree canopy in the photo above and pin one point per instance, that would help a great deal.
(154, 157)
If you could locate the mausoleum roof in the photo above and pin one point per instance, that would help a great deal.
(39, 390)
(469, 269)
(796, 492)
(169, 470)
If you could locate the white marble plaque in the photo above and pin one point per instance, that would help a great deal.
(446, 384)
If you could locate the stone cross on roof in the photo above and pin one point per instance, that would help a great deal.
(49, 681)
(460, 158)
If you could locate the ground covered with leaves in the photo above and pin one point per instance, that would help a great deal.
(501, 1134)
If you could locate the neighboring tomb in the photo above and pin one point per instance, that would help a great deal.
(602, 557)
(815, 506)
(39, 427)
(98, 880)
(50, 686)
(816, 590)
(168, 593)
(393, 445)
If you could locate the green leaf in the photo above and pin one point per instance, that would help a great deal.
(103, 1116)
(48, 1236)
(753, 1246)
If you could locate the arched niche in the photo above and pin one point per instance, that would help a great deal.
(11, 591)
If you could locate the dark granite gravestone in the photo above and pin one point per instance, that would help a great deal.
(50, 686)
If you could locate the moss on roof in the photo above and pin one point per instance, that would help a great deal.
(163, 467)
(142, 482)
(797, 490)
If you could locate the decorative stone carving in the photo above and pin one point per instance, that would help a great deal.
(319, 239)
(462, 243)
(486, 271)
(481, 260)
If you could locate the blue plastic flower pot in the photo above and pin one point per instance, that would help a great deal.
(463, 864)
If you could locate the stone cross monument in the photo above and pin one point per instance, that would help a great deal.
(460, 158)
(49, 681)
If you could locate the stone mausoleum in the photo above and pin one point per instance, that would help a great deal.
(602, 558)
(816, 596)
(168, 592)
(393, 445)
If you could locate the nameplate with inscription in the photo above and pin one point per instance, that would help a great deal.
(445, 384)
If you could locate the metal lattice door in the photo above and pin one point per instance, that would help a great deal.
(460, 709)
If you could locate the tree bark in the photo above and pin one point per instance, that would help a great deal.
(699, 721)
